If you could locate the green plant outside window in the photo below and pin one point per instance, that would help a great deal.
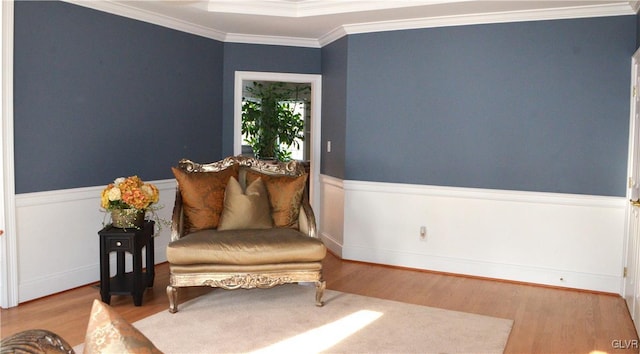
(271, 124)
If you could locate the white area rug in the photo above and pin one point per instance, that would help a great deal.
(285, 319)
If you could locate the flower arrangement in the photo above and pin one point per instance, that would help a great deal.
(130, 197)
(129, 193)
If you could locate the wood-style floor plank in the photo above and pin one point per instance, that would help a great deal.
(546, 320)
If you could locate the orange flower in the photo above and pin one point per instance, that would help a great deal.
(128, 193)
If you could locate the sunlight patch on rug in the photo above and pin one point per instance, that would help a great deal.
(325, 337)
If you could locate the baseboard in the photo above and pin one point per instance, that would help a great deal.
(332, 244)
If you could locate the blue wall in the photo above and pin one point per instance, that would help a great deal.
(263, 58)
(637, 31)
(116, 96)
(99, 96)
(539, 106)
(533, 106)
(334, 106)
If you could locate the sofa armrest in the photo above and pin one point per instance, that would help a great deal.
(307, 221)
(177, 219)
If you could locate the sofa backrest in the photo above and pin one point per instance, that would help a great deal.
(241, 167)
(290, 168)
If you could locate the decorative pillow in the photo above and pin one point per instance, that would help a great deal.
(248, 210)
(108, 332)
(203, 196)
(285, 196)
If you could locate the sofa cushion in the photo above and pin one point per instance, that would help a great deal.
(108, 332)
(245, 247)
(245, 210)
(251, 268)
(285, 196)
(203, 196)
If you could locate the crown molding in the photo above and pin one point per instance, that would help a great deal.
(487, 18)
(332, 36)
(308, 8)
(121, 9)
(272, 40)
(134, 13)
(477, 19)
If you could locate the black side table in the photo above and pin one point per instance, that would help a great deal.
(113, 239)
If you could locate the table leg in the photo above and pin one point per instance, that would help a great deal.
(104, 274)
(120, 263)
(137, 277)
(151, 273)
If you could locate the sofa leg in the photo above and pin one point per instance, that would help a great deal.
(172, 294)
(320, 285)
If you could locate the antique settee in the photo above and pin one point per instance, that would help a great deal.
(242, 223)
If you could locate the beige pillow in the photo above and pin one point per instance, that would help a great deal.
(245, 210)
(203, 196)
(108, 332)
(285, 196)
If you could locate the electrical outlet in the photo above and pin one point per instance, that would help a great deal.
(423, 233)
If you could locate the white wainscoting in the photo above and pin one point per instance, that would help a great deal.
(572, 241)
(564, 240)
(58, 243)
(331, 224)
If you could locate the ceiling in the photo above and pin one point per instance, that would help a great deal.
(315, 23)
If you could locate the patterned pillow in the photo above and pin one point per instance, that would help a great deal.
(248, 210)
(203, 196)
(285, 196)
(108, 332)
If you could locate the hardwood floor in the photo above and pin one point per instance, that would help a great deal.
(546, 320)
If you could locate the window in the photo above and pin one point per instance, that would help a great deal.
(275, 120)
